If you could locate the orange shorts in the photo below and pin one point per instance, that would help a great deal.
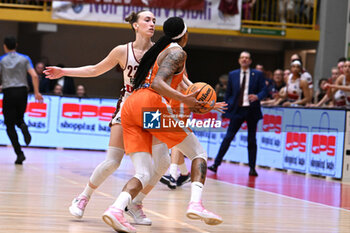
(141, 121)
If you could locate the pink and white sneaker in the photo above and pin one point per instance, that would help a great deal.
(78, 205)
(196, 210)
(136, 212)
(115, 218)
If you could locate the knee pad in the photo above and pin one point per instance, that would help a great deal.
(192, 148)
(115, 154)
(160, 155)
(142, 162)
(161, 158)
(108, 166)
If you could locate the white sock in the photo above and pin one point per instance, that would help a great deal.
(87, 191)
(173, 170)
(139, 198)
(183, 169)
(122, 201)
(196, 191)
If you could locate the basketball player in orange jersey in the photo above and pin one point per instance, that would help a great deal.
(127, 56)
(160, 72)
(177, 158)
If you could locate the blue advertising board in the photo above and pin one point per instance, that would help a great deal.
(299, 139)
(67, 122)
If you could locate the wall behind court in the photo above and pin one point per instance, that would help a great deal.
(209, 56)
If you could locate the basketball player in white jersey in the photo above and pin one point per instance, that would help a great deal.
(297, 92)
(342, 84)
(127, 56)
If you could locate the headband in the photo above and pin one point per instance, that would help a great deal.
(181, 34)
(296, 62)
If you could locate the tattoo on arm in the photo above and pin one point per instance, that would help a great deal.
(171, 64)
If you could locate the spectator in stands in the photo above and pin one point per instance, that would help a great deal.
(57, 90)
(81, 91)
(308, 6)
(220, 88)
(278, 81)
(278, 84)
(335, 74)
(44, 83)
(297, 92)
(66, 82)
(247, 6)
(289, 6)
(322, 90)
(340, 65)
(338, 97)
(259, 67)
(286, 74)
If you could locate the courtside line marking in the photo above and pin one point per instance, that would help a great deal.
(281, 195)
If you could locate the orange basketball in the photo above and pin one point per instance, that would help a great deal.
(206, 93)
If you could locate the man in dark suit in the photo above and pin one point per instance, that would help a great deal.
(245, 88)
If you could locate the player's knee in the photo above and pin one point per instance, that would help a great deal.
(144, 177)
(111, 166)
(192, 148)
(161, 158)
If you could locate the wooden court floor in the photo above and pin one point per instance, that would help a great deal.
(35, 198)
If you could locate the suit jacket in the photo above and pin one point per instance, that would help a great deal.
(257, 86)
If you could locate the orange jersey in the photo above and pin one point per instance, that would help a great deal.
(147, 102)
(174, 81)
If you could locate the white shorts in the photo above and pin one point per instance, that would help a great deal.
(117, 118)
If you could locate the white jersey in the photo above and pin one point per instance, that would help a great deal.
(346, 93)
(339, 98)
(294, 91)
(129, 71)
(308, 78)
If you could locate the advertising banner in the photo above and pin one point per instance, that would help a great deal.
(296, 135)
(298, 139)
(84, 116)
(209, 18)
(323, 150)
(270, 138)
(68, 122)
(177, 4)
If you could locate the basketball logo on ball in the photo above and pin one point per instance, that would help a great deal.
(206, 94)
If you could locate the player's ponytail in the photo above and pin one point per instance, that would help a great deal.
(132, 18)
